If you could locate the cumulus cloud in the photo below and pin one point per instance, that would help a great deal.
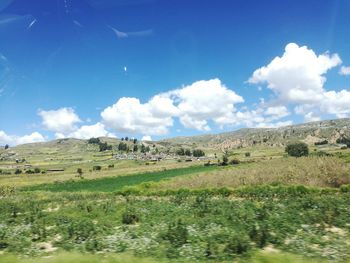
(15, 140)
(146, 138)
(61, 121)
(274, 125)
(195, 105)
(345, 71)
(90, 131)
(298, 77)
(129, 115)
(203, 101)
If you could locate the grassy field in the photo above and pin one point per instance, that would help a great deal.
(267, 208)
(110, 184)
(187, 226)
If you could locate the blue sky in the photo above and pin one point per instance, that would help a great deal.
(76, 68)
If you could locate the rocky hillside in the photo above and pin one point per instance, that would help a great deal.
(311, 132)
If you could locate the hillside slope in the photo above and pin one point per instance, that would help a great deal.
(310, 133)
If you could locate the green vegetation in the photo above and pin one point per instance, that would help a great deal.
(297, 149)
(90, 206)
(205, 225)
(110, 184)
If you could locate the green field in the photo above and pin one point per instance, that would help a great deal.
(110, 184)
(266, 208)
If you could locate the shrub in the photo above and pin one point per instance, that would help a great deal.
(37, 170)
(122, 146)
(321, 142)
(238, 245)
(111, 166)
(130, 218)
(344, 141)
(234, 161)
(94, 141)
(224, 159)
(198, 153)
(177, 234)
(80, 171)
(104, 147)
(96, 168)
(297, 149)
(18, 171)
(247, 154)
(180, 152)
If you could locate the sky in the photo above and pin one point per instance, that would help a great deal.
(155, 69)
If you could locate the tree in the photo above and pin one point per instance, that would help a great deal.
(148, 149)
(188, 152)
(104, 146)
(180, 152)
(122, 146)
(224, 159)
(126, 138)
(80, 172)
(198, 153)
(94, 141)
(297, 149)
(344, 140)
(143, 148)
(135, 148)
(6, 146)
(135, 141)
(96, 168)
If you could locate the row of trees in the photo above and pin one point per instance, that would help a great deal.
(187, 152)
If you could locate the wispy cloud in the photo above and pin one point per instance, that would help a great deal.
(32, 23)
(142, 33)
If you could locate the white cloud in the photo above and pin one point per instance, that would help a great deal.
(310, 116)
(146, 138)
(129, 115)
(15, 140)
(274, 125)
(277, 112)
(345, 71)
(298, 77)
(203, 101)
(89, 131)
(195, 105)
(62, 120)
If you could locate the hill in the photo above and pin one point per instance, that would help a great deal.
(329, 130)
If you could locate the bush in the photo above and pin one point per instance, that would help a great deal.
(80, 171)
(129, 218)
(344, 141)
(198, 153)
(37, 170)
(111, 166)
(177, 234)
(18, 171)
(224, 160)
(234, 161)
(321, 142)
(96, 168)
(94, 141)
(104, 147)
(297, 149)
(247, 154)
